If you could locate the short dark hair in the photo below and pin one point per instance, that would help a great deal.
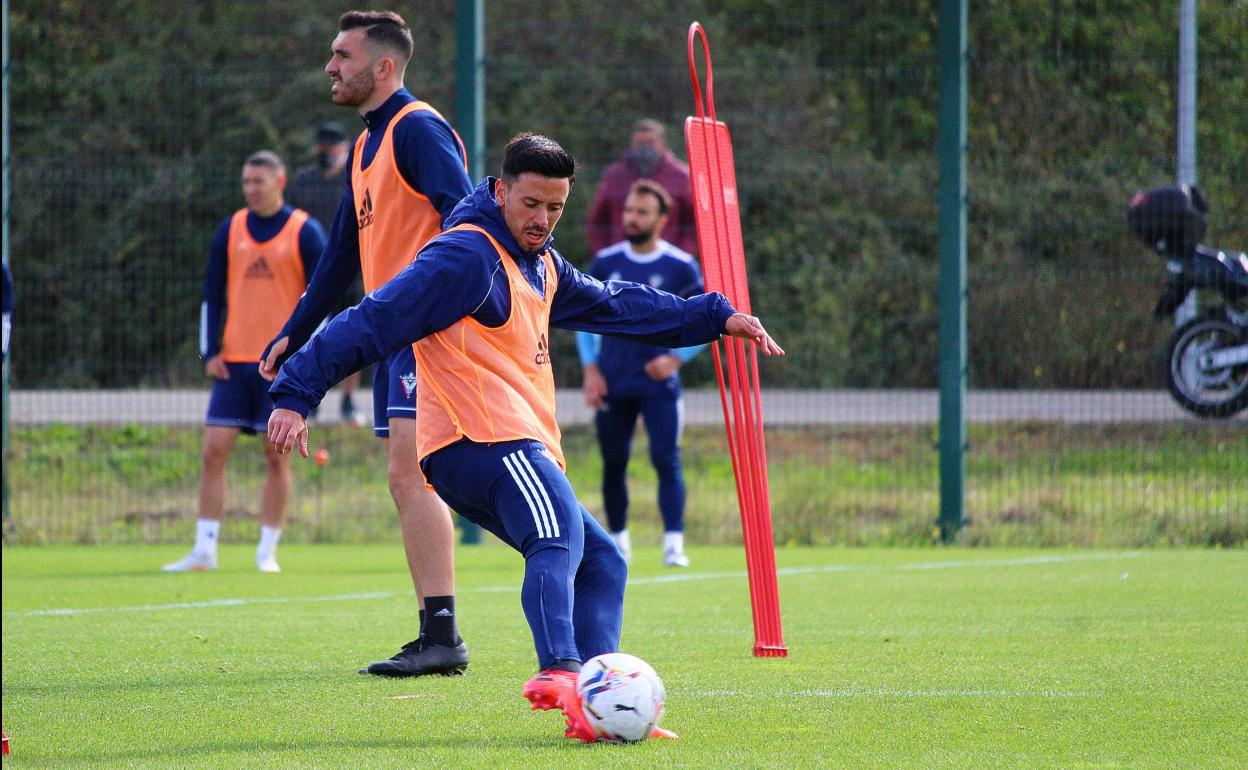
(538, 154)
(651, 187)
(384, 28)
(268, 159)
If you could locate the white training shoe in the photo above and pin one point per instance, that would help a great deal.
(268, 565)
(673, 558)
(194, 561)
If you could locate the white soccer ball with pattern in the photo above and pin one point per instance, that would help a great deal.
(621, 696)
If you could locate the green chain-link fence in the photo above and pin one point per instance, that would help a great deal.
(128, 130)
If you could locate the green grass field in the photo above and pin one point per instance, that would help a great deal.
(924, 658)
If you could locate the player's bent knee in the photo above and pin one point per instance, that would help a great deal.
(544, 552)
(403, 487)
(666, 463)
(613, 567)
(277, 465)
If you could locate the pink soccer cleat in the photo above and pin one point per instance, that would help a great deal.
(557, 689)
(549, 687)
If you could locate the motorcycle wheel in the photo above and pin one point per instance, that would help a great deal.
(1216, 393)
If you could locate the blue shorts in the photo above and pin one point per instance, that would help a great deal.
(242, 401)
(394, 389)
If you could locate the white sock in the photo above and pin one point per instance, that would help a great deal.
(206, 531)
(622, 542)
(268, 542)
(674, 542)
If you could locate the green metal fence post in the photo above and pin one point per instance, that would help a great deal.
(470, 82)
(470, 120)
(952, 153)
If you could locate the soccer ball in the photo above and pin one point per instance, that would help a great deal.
(621, 696)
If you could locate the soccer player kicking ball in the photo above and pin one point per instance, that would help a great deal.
(477, 305)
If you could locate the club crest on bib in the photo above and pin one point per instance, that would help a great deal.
(408, 381)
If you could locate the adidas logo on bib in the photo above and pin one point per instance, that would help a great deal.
(259, 270)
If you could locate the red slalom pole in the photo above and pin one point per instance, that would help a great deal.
(718, 217)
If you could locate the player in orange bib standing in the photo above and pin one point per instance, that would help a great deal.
(478, 305)
(257, 268)
(408, 169)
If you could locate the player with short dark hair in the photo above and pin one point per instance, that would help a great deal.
(625, 379)
(382, 28)
(476, 307)
(408, 169)
(258, 266)
(531, 153)
(268, 159)
(662, 198)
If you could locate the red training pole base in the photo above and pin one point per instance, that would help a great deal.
(769, 651)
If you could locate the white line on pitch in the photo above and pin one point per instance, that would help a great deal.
(886, 693)
(656, 580)
(1021, 561)
(205, 603)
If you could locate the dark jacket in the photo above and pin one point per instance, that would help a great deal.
(605, 224)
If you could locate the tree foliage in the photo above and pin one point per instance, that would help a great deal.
(130, 120)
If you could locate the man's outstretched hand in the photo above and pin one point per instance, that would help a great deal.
(268, 367)
(287, 429)
(747, 327)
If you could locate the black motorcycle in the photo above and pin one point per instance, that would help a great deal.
(1207, 356)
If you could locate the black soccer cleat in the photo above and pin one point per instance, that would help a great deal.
(422, 658)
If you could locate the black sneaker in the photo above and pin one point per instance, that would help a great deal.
(420, 658)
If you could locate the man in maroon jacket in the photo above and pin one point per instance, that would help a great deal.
(650, 157)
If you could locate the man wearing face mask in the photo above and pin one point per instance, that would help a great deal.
(317, 188)
(648, 157)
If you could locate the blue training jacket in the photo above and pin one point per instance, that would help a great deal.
(458, 274)
(623, 362)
